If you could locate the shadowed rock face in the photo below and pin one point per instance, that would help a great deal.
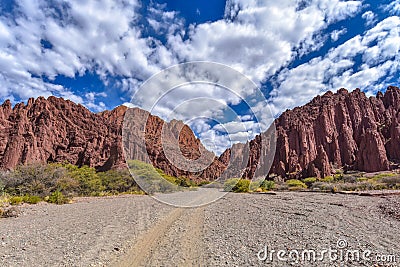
(337, 130)
(332, 131)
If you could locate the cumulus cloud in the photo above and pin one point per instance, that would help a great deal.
(48, 39)
(257, 38)
(379, 49)
(91, 102)
(163, 21)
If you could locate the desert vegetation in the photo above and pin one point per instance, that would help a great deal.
(355, 181)
(238, 185)
(154, 180)
(352, 181)
(58, 183)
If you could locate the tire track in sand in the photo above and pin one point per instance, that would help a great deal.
(192, 240)
(154, 244)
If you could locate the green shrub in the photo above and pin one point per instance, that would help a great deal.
(68, 185)
(391, 181)
(242, 186)
(15, 200)
(267, 185)
(350, 178)
(328, 179)
(309, 181)
(203, 183)
(347, 187)
(57, 198)
(89, 181)
(380, 186)
(362, 186)
(118, 181)
(297, 184)
(33, 179)
(153, 180)
(42, 180)
(338, 176)
(31, 199)
(237, 185)
(383, 175)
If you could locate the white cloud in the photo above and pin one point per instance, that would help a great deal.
(162, 21)
(379, 49)
(90, 101)
(337, 33)
(95, 36)
(105, 37)
(393, 7)
(370, 18)
(258, 38)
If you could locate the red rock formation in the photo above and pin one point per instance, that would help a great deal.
(337, 130)
(332, 131)
(171, 146)
(57, 130)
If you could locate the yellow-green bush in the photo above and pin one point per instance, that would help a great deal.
(230, 184)
(267, 185)
(254, 186)
(57, 198)
(328, 179)
(41, 180)
(153, 180)
(31, 199)
(309, 181)
(295, 184)
(15, 200)
(237, 185)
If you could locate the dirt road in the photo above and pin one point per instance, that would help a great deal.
(237, 230)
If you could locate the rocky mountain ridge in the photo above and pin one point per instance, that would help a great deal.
(345, 130)
(336, 130)
(58, 130)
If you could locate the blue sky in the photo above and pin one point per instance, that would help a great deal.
(98, 53)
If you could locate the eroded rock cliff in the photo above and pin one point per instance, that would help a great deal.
(341, 130)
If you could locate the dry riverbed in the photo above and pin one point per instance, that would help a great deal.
(236, 230)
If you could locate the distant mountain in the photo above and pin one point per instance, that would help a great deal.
(341, 130)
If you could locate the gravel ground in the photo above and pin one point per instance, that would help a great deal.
(246, 223)
(391, 207)
(139, 231)
(90, 232)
